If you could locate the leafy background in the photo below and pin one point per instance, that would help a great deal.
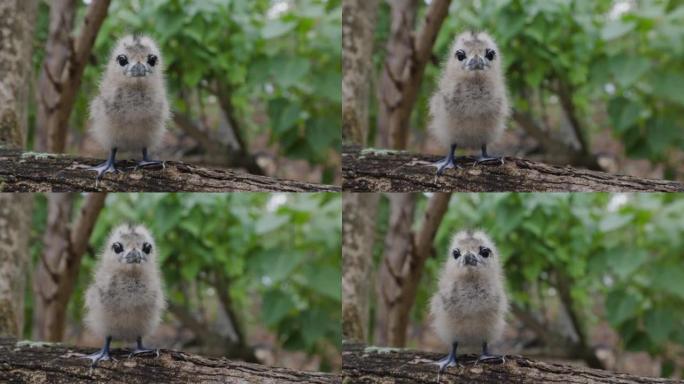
(620, 61)
(621, 255)
(280, 254)
(279, 62)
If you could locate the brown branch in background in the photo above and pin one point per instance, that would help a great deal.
(226, 154)
(408, 58)
(64, 246)
(585, 351)
(64, 64)
(565, 95)
(223, 94)
(558, 152)
(404, 262)
(57, 53)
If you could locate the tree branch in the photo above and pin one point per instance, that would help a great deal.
(39, 172)
(381, 170)
(387, 365)
(231, 157)
(28, 362)
(72, 73)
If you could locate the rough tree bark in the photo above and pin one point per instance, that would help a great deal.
(57, 270)
(63, 67)
(358, 236)
(17, 20)
(403, 262)
(28, 362)
(408, 53)
(15, 226)
(41, 172)
(386, 365)
(358, 23)
(398, 171)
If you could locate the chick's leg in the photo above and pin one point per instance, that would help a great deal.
(485, 356)
(448, 161)
(449, 360)
(108, 166)
(102, 354)
(486, 158)
(139, 349)
(146, 160)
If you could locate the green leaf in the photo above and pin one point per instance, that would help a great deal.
(613, 221)
(659, 323)
(627, 69)
(276, 28)
(615, 29)
(620, 306)
(275, 307)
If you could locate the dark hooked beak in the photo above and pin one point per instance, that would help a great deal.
(133, 257)
(476, 63)
(470, 259)
(138, 70)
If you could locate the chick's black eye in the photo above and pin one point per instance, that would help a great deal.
(485, 252)
(117, 247)
(490, 54)
(460, 55)
(456, 253)
(147, 248)
(152, 60)
(122, 60)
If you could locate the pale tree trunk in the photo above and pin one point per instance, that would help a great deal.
(358, 24)
(403, 262)
(398, 53)
(17, 19)
(359, 211)
(57, 53)
(57, 270)
(15, 226)
(63, 67)
(408, 53)
(398, 249)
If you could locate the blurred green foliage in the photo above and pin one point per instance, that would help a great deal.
(622, 253)
(279, 59)
(280, 251)
(621, 61)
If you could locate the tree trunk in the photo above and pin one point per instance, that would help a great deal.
(57, 270)
(390, 283)
(403, 263)
(407, 57)
(63, 67)
(398, 53)
(30, 362)
(17, 21)
(359, 211)
(387, 366)
(41, 172)
(15, 226)
(57, 53)
(377, 170)
(358, 23)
